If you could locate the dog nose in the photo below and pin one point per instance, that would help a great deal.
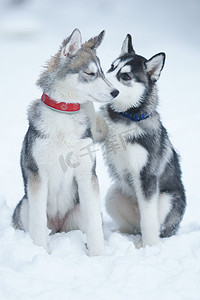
(115, 93)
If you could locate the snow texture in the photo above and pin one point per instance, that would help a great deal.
(30, 32)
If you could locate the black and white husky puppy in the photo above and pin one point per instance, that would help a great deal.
(147, 195)
(61, 186)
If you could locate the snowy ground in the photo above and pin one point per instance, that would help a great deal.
(29, 33)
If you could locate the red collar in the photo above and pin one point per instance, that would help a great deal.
(60, 106)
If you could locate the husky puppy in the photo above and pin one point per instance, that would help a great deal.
(147, 195)
(61, 186)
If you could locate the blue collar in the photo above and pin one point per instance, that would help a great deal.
(135, 118)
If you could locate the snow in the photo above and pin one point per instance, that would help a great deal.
(30, 32)
(168, 271)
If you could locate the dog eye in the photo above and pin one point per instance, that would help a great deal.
(125, 76)
(89, 73)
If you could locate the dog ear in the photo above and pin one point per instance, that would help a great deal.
(71, 45)
(94, 43)
(127, 46)
(155, 65)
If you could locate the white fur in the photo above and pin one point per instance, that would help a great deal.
(125, 212)
(124, 48)
(55, 193)
(93, 67)
(114, 130)
(126, 98)
(126, 69)
(164, 207)
(80, 87)
(99, 127)
(24, 222)
(116, 62)
(134, 158)
(96, 90)
(73, 45)
(137, 157)
(126, 201)
(121, 199)
(60, 151)
(37, 211)
(166, 157)
(132, 99)
(149, 223)
(123, 156)
(123, 209)
(154, 66)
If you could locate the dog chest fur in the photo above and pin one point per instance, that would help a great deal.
(138, 157)
(61, 186)
(144, 166)
(125, 160)
(58, 155)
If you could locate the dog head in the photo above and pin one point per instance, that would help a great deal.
(74, 74)
(134, 76)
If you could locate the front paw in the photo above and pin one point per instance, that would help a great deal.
(41, 243)
(138, 243)
(96, 250)
(101, 129)
(45, 246)
(151, 242)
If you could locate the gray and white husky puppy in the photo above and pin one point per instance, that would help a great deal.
(147, 195)
(61, 186)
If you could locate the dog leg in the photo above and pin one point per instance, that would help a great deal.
(164, 207)
(123, 211)
(37, 199)
(90, 208)
(99, 127)
(171, 210)
(149, 221)
(20, 216)
(148, 197)
(74, 220)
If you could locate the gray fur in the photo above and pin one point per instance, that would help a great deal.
(55, 68)
(161, 173)
(16, 216)
(87, 133)
(58, 177)
(28, 163)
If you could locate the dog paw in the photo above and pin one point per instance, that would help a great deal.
(138, 244)
(151, 242)
(48, 251)
(42, 244)
(97, 251)
(101, 129)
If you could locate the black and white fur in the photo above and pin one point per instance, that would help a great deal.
(64, 199)
(147, 195)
